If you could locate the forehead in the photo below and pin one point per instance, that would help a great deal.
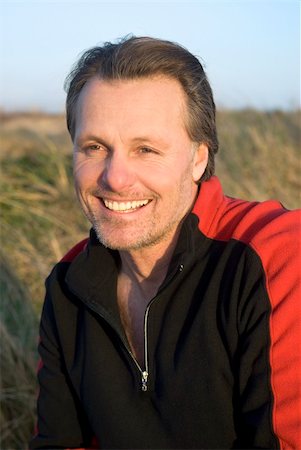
(158, 100)
(156, 87)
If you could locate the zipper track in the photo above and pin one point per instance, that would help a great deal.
(144, 373)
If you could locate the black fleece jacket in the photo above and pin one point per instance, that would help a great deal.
(217, 371)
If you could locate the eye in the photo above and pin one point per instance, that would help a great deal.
(92, 147)
(146, 150)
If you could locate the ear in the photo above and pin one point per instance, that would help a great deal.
(200, 161)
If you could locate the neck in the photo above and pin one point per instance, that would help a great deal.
(149, 264)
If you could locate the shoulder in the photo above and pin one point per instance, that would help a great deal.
(75, 251)
(224, 218)
(273, 233)
(60, 269)
(267, 228)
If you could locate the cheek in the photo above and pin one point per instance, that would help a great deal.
(85, 173)
(164, 172)
(157, 181)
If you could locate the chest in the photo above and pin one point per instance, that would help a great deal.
(183, 357)
(132, 305)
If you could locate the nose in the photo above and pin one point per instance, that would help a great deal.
(118, 174)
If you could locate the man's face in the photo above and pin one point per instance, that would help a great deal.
(135, 166)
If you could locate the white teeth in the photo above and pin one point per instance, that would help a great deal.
(124, 206)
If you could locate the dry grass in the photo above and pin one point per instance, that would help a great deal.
(40, 219)
(18, 360)
(39, 210)
(259, 158)
(259, 155)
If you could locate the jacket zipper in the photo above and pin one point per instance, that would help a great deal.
(144, 373)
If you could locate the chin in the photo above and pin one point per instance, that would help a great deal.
(115, 242)
(127, 243)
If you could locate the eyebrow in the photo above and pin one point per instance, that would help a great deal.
(90, 137)
(139, 139)
(156, 140)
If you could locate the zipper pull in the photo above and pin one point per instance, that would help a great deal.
(144, 381)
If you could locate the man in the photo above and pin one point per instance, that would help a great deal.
(174, 326)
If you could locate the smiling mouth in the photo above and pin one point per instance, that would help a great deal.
(125, 206)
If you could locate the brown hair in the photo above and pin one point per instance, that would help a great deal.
(138, 57)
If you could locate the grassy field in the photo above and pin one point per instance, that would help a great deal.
(259, 158)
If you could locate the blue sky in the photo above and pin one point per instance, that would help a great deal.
(250, 49)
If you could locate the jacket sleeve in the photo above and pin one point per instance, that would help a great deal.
(61, 422)
(269, 358)
(252, 394)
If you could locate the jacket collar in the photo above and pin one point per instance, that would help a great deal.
(92, 275)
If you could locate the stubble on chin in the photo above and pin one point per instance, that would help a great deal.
(122, 239)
